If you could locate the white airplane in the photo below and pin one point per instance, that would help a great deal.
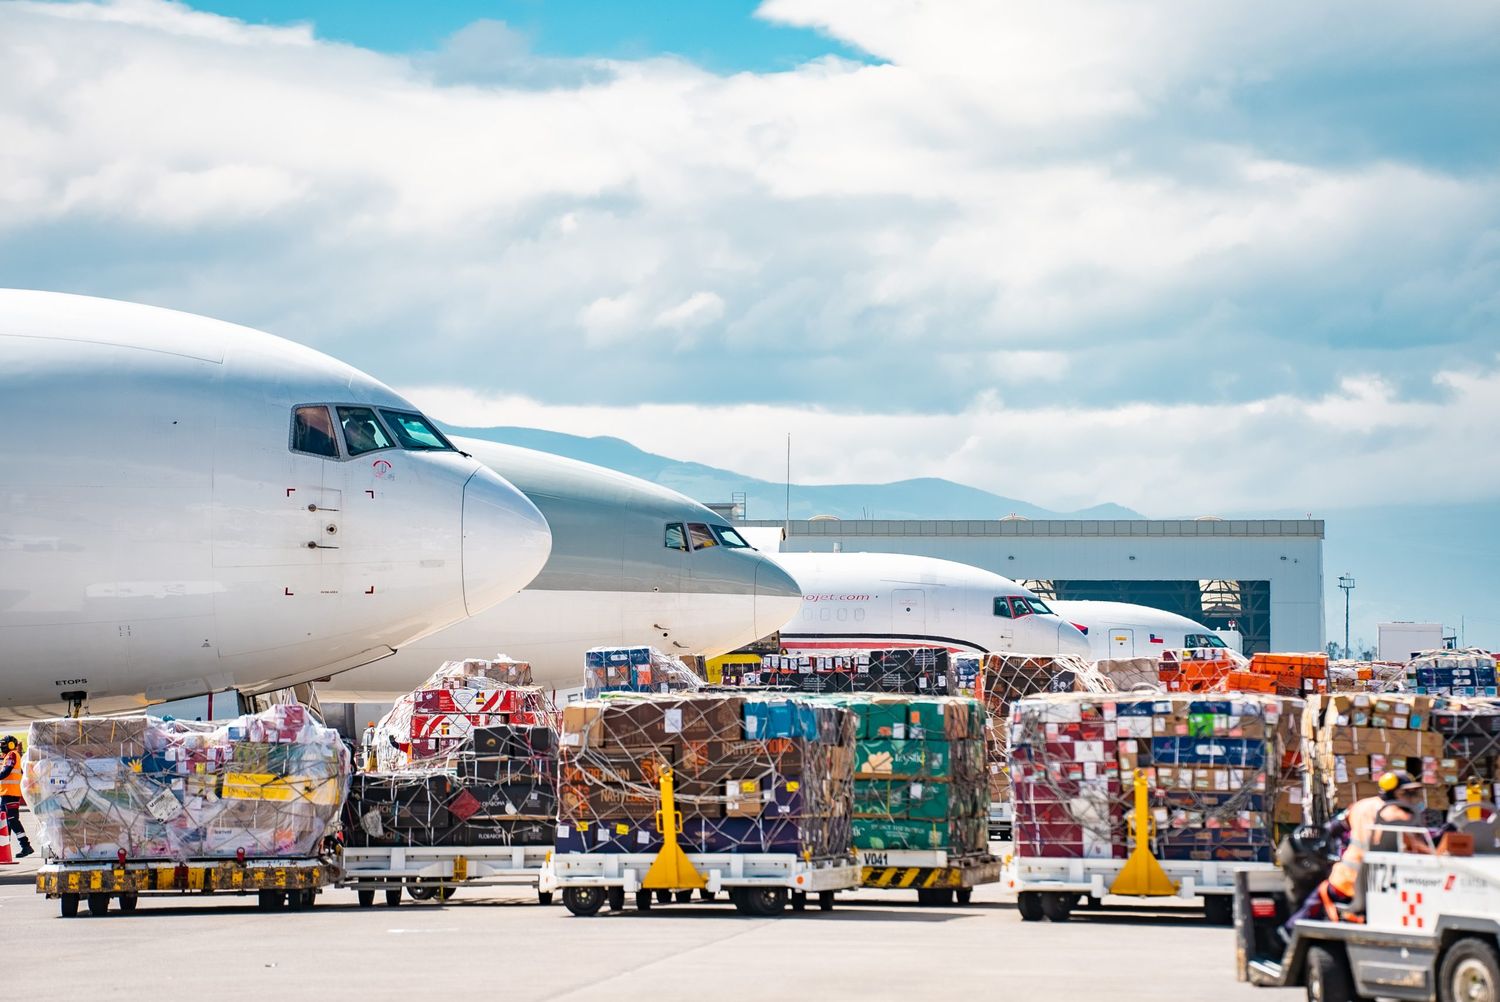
(854, 600)
(632, 563)
(1123, 630)
(190, 506)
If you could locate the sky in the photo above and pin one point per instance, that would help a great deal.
(1179, 256)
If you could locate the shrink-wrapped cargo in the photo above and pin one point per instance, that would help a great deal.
(1005, 678)
(635, 669)
(925, 671)
(266, 784)
(437, 719)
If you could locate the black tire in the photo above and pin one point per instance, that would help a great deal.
(935, 897)
(98, 904)
(706, 895)
(544, 898)
(964, 895)
(445, 893)
(1327, 977)
(421, 892)
(741, 901)
(825, 901)
(1470, 971)
(270, 901)
(366, 898)
(663, 897)
(682, 897)
(295, 901)
(67, 905)
(617, 899)
(1218, 909)
(643, 900)
(393, 897)
(1029, 904)
(583, 901)
(764, 901)
(1058, 907)
(128, 902)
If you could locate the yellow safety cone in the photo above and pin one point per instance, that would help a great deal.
(671, 869)
(1142, 875)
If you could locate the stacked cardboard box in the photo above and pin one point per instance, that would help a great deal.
(921, 776)
(268, 784)
(1447, 743)
(437, 719)
(1221, 772)
(911, 670)
(1452, 673)
(1281, 674)
(635, 669)
(751, 773)
(1366, 676)
(1005, 678)
(966, 668)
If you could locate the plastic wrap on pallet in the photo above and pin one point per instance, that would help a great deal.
(1366, 676)
(635, 669)
(1131, 674)
(751, 773)
(1199, 669)
(1223, 772)
(267, 784)
(1466, 673)
(434, 721)
(911, 670)
(1448, 743)
(920, 774)
(1005, 678)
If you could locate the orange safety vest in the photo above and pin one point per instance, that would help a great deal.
(10, 786)
(1362, 819)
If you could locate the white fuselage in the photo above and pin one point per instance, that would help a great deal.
(866, 600)
(1123, 630)
(161, 538)
(609, 581)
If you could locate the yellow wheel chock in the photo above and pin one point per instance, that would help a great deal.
(1142, 875)
(671, 869)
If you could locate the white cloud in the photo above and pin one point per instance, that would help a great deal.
(1345, 448)
(693, 313)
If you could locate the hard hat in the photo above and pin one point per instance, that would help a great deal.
(1398, 779)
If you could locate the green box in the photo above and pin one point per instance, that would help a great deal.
(903, 760)
(926, 719)
(872, 834)
(927, 801)
(884, 719)
(880, 798)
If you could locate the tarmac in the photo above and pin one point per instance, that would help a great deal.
(873, 945)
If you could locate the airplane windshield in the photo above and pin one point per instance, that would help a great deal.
(728, 537)
(362, 432)
(1203, 640)
(700, 537)
(1039, 607)
(1019, 608)
(312, 431)
(1002, 607)
(413, 431)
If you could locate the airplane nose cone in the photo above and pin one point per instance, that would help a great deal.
(1070, 640)
(506, 541)
(778, 596)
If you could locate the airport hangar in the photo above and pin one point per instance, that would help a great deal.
(1264, 576)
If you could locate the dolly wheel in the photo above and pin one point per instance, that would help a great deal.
(664, 897)
(67, 905)
(583, 901)
(1328, 977)
(765, 901)
(1470, 970)
(269, 901)
(937, 897)
(799, 901)
(706, 895)
(1058, 907)
(617, 899)
(128, 902)
(964, 895)
(1219, 909)
(825, 901)
(366, 898)
(98, 904)
(544, 897)
(643, 901)
(682, 897)
(393, 897)
(1029, 904)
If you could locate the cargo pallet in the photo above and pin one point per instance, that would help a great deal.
(428, 873)
(936, 877)
(293, 882)
(1050, 888)
(757, 883)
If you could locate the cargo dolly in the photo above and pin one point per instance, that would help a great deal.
(290, 882)
(1049, 888)
(937, 877)
(757, 883)
(428, 873)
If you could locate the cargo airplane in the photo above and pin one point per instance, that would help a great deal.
(189, 506)
(1123, 630)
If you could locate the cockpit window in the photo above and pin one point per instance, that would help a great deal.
(312, 431)
(1002, 607)
(1203, 640)
(414, 431)
(362, 431)
(700, 537)
(1019, 608)
(728, 537)
(676, 538)
(1039, 607)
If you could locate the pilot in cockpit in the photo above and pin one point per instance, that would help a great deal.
(361, 435)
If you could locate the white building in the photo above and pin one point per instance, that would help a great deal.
(1263, 576)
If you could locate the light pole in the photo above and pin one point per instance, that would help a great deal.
(1346, 583)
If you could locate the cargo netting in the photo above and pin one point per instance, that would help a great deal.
(1452, 673)
(1281, 675)
(1223, 773)
(1350, 739)
(1366, 676)
(752, 773)
(435, 721)
(925, 671)
(635, 669)
(265, 785)
(1198, 669)
(921, 779)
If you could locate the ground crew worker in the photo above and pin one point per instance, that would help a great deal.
(1400, 802)
(10, 789)
(367, 746)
